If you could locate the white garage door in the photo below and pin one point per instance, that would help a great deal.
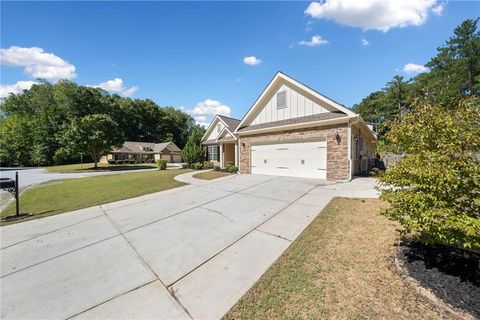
(303, 159)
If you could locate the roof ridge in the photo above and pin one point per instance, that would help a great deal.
(221, 115)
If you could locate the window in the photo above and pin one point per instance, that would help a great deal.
(281, 100)
(212, 153)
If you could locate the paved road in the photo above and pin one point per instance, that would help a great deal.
(33, 176)
(29, 177)
(190, 252)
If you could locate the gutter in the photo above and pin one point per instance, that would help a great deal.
(301, 125)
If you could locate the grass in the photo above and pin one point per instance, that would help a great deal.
(87, 167)
(341, 267)
(71, 194)
(210, 175)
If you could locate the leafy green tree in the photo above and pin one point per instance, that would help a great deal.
(50, 108)
(93, 134)
(435, 189)
(16, 140)
(193, 151)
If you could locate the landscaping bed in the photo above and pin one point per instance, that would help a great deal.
(451, 274)
(210, 175)
(341, 267)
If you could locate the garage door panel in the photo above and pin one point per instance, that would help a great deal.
(303, 159)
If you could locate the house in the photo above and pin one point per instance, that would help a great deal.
(144, 152)
(292, 130)
(220, 139)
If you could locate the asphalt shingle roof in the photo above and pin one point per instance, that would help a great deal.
(315, 117)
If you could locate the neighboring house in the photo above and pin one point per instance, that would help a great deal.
(292, 130)
(142, 152)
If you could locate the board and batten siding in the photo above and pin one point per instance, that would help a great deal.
(216, 130)
(297, 106)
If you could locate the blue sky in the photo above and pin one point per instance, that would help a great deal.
(191, 54)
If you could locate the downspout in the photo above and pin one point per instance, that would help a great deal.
(349, 151)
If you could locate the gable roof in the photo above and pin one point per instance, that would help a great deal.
(138, 147)
(230, 124)
(281, 78)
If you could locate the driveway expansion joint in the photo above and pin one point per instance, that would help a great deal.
(144, 262)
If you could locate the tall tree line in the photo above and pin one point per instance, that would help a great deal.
(454, 74)
(34, 124)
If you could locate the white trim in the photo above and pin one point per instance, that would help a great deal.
(301, 125)
(211, 126)
(280, 77)
(349, 152)
(221, 132)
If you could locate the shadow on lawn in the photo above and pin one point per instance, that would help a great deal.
(453, 274)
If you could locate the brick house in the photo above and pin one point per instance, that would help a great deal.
(292, 130)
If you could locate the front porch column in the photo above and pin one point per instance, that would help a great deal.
(236, 154)
(221, 156)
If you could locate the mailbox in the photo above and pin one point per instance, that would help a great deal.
(11, 186)
(7, 184)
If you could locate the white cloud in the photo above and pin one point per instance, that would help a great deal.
(414, 68)
(252, 61)
(205, 110)
(18, 87)
(438, 9)
(373, 14)
(238, 79)
(316, 40)
(116, 86)
(364, 42)
(38, 63)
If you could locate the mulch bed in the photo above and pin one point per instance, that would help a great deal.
(452, 274)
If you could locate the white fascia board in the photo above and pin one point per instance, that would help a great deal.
(211, 126)
(228, 130)
(302, 125)
(295, 83)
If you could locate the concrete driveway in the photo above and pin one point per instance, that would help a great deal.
(190, 252)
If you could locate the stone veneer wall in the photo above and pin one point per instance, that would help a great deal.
(337, 153)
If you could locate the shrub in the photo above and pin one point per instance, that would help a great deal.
(184, 166)
(193, 150)
(162, 164)
(198, 165)
(207, 165)
(229, 164)
(232, 169)
(216, 168)
(131, 161)
(434, 189)
(111, 161)
(119, 161)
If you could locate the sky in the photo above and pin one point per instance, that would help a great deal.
(217, 57)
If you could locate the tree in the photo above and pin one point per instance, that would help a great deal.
(455, 70)
(193, 150)
(435, 189)
(93, 134)
(50, 109)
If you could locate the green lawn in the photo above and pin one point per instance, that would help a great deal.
(71, 194)
(341, 267)
(210, 175)
(87, 167)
